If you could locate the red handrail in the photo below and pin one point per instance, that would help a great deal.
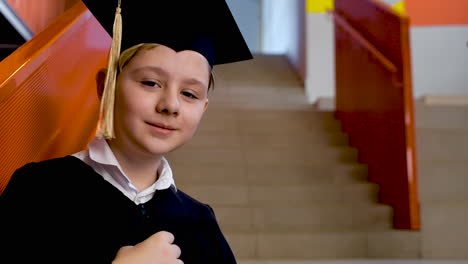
(363, 41)
(374, 100)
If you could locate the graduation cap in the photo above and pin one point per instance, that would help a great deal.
(207, 27)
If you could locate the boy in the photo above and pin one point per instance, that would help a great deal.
(117, 200)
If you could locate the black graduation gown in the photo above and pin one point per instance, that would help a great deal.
(61, 210)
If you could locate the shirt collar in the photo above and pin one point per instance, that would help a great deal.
(100, 152)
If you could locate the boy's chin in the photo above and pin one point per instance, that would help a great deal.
(163, 150)
(175, 148)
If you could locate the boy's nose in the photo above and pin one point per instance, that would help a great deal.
(168, 103)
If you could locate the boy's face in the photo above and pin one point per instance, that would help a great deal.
(161, 96)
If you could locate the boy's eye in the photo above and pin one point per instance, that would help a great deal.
(150, 83)
(189, 95)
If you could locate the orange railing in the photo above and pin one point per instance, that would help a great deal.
(48, 100)
(374, 100)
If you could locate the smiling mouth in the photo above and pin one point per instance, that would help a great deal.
(161, 129)
(160, 125)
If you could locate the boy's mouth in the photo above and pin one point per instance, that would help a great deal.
(161, 125)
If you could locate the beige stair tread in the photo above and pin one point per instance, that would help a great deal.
(442, 144)
(267, 138)
(262, 155)
(441, 116)
(288, 126)
(305, 218)
(224, 114)
(218, 194)
(276, 174)
(326, 245)
(443, 181)
(305, 155)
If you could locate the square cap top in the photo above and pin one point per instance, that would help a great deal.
(205, 26)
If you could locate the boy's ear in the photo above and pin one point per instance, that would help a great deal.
(100, 80)
(206, 105)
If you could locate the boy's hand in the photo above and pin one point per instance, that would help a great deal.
(157, 249)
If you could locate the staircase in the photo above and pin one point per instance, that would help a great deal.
(280, 176)
(442, 144)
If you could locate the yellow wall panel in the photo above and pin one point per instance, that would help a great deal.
(318, 6)
(400, 7)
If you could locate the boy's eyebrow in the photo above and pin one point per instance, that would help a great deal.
(194, 82)
(164, 73)
(154, 69)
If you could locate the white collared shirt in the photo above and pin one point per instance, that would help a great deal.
(101, 158)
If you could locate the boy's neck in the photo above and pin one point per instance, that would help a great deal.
(142, 170)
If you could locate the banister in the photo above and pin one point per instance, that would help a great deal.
(33, 48)
(374, 101)
(44, 83)
(363, 41)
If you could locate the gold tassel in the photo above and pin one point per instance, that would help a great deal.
(106, 116)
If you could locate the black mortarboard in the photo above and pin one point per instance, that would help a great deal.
(205, 26)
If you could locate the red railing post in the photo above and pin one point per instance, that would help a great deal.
(374, 100)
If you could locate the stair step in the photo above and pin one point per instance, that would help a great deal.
(441, 116)
(269, 119)
(306, 174)
(249, 101)
(206, 157)
(442, 144)
(305, 155)
(262, 155)
(230, 114)
(444, 230)
(287, 126)
(443, 181)
(221, 194)
(318, 217)
(275, 174)
(267, 138)
(325, 245)
(317, 193)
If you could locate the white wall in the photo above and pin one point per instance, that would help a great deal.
(283, 31)
(391, 2)
(439, 57)
(320, 74)
(296, 51)
(248, 17)
(276, 25)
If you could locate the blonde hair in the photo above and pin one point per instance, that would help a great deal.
(106, 122)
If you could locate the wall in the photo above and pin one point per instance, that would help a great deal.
(439, 46)
(439, 60)
(283, 31)
(320, 51)
(297, 48)
(248, 17)
(437, 12)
